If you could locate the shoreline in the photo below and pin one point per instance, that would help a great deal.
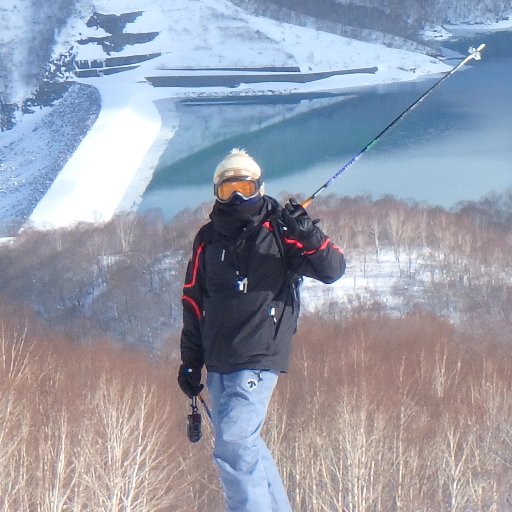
(128, 161)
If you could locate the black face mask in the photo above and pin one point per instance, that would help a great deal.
(243, 211)
(229, 219)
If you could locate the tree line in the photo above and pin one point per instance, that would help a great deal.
(122, 280)
(394, 23)
(404, 11)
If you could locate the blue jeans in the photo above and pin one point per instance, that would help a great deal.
(248, 472)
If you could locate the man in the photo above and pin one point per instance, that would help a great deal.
(240, 311)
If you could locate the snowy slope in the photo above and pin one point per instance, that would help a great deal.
(115, 160)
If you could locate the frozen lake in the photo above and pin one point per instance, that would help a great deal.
(455, 146)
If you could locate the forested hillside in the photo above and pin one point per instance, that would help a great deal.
(379, 12)
(398, 24)
(29, 28)
(123, 280)
(383, 409)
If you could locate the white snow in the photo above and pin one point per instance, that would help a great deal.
(368, 282)
(116, 159)
(95, 179)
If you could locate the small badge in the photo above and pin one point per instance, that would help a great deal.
(252, 383)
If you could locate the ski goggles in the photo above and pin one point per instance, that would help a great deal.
(244, 186)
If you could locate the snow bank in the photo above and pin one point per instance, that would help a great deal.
(94, 181)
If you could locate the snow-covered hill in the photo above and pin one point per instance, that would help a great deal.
(75, 174)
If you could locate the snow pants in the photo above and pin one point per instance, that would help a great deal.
(248, 472)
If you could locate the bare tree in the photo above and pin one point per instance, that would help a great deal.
(130, 467)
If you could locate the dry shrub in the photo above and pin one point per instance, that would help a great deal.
(377, 414)
(91, 427)
(394, 414)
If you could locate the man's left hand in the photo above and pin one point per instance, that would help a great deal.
(300, 225)
(189, 380)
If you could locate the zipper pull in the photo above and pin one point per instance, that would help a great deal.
(273, 315)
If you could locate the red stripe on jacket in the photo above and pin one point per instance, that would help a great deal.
(193, 281)
(195, 267)
(195, 307)
(292, 241)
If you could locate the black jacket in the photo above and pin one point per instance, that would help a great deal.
(240, 299)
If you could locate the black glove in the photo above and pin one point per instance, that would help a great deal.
(189, 380)
(300, 226)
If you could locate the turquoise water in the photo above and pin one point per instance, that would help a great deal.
(455, 146)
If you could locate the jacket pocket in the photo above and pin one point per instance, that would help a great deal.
(285, 327)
